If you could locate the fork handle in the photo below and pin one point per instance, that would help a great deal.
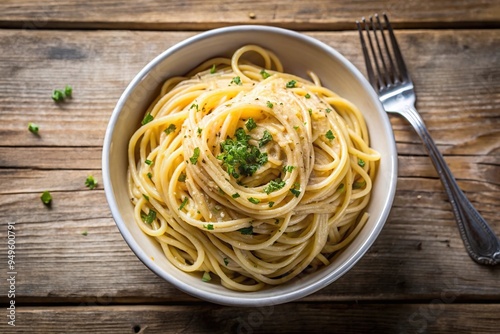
(479, 239)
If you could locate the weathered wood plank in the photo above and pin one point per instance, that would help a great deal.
(53, 254)
(97, 65)
(438, 316)
(198, 15)
(77, 274)
(75, 196)
(26, 180)
(459, 106)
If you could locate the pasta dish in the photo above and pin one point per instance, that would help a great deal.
(249, 175)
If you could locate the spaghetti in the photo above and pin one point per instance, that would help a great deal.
(249, 173)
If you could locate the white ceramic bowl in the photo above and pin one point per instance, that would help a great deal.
(299, 53)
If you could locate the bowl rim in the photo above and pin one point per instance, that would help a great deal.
(245, 298)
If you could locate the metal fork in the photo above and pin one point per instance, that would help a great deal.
(389, 77)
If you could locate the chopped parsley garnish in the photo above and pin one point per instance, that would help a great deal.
(209, 227)
(246, 230)
(33, 128)
(200, 130)
(288, 168)
(271, 203)
(359, 184)
(90, 182)
(235, 195)
(266, 138)
(146, 197)
(148, 118)
(307, 96)
(254, 200)
(264, 74)
(184, 203)
(310, 111)
(85, 233)
(46, 197)
(328, 110)
(361, 163)
(238, 156)
(291, 84)
(68, 91)
(341, 187)
(226, 261)
(236, 80)
(149, 175)
(148, 162)
(274, 185)
(270, 104)
(206, 277)
(182, 177)
(171, 128)
(329, 135)
(212, 70)
(149, 218)
(250, 124)
(195, 156)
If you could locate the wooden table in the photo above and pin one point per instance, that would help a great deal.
(74, 271)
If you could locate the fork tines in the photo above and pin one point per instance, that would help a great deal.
(384, 63)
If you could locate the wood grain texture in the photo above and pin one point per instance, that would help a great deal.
(201, 15)
(439, 316)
